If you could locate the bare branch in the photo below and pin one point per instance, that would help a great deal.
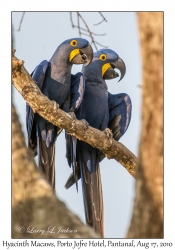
(21, 21)
(78, 27)
(85, 34)
(92, 39)
(103, 16)
(75, 26)
(99, 22)
(139, 85)
(98, 34)
(71, 20)
(101, 45)
(47, 109)
(89, 32)
(104, 19)
(78, 21)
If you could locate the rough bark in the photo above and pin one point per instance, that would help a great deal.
(147, 219)
(34, 205)
(51, 112)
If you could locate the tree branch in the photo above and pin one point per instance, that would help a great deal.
(78, 27)
(89, 32)
(101, 44)
(87, 27)
(51, 112)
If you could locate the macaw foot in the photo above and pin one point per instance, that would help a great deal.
(109, 134)
(85, 124)
(72, 115)
(55, 105)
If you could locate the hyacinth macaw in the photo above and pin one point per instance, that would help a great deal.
(101, 110)
(55, 81)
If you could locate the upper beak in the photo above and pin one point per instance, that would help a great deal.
(82, 56)
(119, 64)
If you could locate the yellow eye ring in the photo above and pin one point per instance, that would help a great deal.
(73, 43)
(102, 57)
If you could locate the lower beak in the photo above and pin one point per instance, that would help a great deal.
(108, 71)
(119, 64)
(82, 56)
(110, 74)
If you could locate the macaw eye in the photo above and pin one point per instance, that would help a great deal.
(73, 43)
(102, 57)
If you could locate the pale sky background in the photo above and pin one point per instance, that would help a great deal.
(40, 34)
(119, 194)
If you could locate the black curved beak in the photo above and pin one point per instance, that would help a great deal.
(84, 56)
(119, 64)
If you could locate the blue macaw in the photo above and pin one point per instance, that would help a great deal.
(55, 81)
(101, 110)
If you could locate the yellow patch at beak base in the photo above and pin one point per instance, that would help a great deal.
(105, 67)
(73, 54)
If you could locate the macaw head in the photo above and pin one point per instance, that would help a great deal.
(74, 51)
(104, 63)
